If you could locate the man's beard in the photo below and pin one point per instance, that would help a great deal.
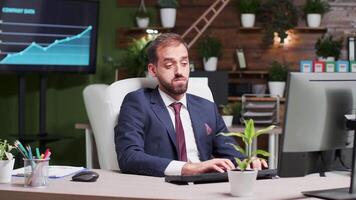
(170, 88)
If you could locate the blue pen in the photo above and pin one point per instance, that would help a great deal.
(29, 151)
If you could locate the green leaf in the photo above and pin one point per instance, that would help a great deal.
(261, 152)
(265, 130)
(243, 164)
(238, 148)
(233, 134)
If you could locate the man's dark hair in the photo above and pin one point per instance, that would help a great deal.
(163, 40)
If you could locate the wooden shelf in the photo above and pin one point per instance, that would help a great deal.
(297, 29)
(254, 72)
(250, 29)
(231, 98)
(143, 30)
(309, 29)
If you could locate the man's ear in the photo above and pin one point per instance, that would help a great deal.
(152, 70)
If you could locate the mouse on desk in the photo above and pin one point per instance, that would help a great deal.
(85, 176)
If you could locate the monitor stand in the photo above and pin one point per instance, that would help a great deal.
(341, 193)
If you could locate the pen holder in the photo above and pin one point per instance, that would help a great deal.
(36, 172)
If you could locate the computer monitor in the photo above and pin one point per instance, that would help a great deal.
(315, 125)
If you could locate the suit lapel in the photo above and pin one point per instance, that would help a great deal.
(162, 114)
(197, 123)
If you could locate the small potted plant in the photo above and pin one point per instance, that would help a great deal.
(168, 12)
(242, 180)
(229, 111)
(327, 48)
(210, 48)
(248, 10)
(6, 161)
(313, 10)
(277, 77)
(142, 16)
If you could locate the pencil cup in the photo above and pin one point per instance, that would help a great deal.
(36, 172)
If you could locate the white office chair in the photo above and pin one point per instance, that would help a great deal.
(103, 102)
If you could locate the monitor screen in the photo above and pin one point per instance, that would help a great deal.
(314, 121)
(48, 35)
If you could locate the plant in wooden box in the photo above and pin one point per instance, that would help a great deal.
(210, 48)
(277, 77)
(313, 10)
(242, 181)
(6, 161)
(248, 10)
(142, 16)
(277, 17)
(168, 12)
(229, 111)
(134, 59)
(327, 48)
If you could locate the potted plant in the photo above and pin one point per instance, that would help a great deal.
(248, 10)
(327, 48)
(168, 12)
(277, 77)
(313, 10)
(277, 17)
(134, 59)
(210, 49)
(242, 180)
(142, 16)
(229, 111)
(6, 161)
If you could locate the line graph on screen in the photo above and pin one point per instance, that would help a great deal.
(55, 44)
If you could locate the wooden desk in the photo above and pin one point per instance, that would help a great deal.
(113, 185)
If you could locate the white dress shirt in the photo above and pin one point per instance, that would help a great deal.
(175, 167)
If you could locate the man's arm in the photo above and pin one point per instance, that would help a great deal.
(130, 139)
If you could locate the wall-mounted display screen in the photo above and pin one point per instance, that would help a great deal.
(48, 35)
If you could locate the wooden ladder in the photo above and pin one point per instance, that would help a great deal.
(201, 24)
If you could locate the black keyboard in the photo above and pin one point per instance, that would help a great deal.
(216, 177)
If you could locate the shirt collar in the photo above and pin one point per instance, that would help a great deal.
(168, 100)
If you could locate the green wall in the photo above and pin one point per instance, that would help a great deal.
(65, 105)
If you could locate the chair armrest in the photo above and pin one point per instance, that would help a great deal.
(90, 147)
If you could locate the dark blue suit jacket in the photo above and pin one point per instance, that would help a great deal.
(145, 137)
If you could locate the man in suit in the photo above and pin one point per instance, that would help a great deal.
(166, 131)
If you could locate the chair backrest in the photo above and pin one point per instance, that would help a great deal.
(103, 102)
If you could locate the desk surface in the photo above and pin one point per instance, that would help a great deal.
(113, 185)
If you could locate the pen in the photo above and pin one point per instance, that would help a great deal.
(46, 153)
(29, 151)
(18, 143)
(38, 153)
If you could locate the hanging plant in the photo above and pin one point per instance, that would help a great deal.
(277, 16)
(142, 11)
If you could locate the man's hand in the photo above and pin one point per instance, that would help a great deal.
(258, 164)
(213, 165)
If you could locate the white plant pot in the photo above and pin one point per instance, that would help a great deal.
(168, 17)
(248, 20)
(242, 184)
(6, 167)
(228, 120)
(276, 88)
(314, 20)
(142, 22)
(211, 64)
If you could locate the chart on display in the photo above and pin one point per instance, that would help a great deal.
(48, 35)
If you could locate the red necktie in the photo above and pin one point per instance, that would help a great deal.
(182, 152)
